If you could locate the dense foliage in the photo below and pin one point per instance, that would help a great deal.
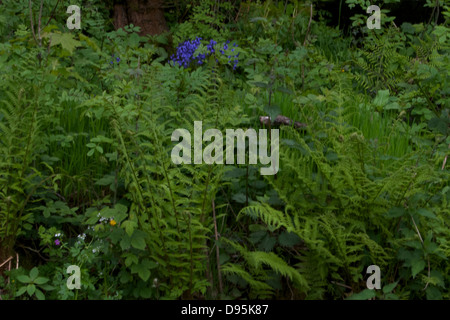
(86, 176)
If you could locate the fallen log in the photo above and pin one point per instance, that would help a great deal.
(281, 120)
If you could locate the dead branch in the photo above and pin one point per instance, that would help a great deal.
(281, 120)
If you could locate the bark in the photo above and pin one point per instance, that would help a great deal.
(147, 14)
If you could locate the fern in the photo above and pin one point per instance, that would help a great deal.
(19, 138)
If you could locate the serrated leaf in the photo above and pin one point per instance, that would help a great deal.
(149, 264)
(433, 293)
(131, 259)
(439, 125)
(141, 270)
(129, 226)
(138, 242)
(239, 197)
(417, 267)
(256, 237)
(288, 239)
(267, 243)
(125, 243)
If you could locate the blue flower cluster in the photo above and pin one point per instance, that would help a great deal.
(117, 59)
(186, 50)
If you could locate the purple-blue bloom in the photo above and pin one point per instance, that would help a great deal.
(184, 55)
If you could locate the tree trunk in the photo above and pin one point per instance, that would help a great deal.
(147, 14)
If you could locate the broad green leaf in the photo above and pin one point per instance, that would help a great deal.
(47, 287)
(382, 98)
(39, 294)
(24, 278)
(91, 152)
(34, 273)
(66, 40)
(31, 288)
(363, 295)
(131, 259)
(125, 243)
(149, 264)
(106, 180)
(129, 226)
(391, 296)
(138, 241)
(388, 288)
(273, 111)
(21, 291)
(141, 270)
(40, 280)
(426, 213)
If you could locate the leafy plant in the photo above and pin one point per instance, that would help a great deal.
(33, 285)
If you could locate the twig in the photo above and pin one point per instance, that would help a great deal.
(418, 232)
(32, 22)
(342, 285)
(219, 273)
(445, 159)
(309, 25)
(428, 258)
(39, 24)
(51, 15)
(7, 260)
(34, 250)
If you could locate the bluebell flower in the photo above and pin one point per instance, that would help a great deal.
(184, 55)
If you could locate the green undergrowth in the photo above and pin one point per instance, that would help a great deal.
(87, 179)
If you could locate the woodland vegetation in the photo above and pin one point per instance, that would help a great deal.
(86, 176)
